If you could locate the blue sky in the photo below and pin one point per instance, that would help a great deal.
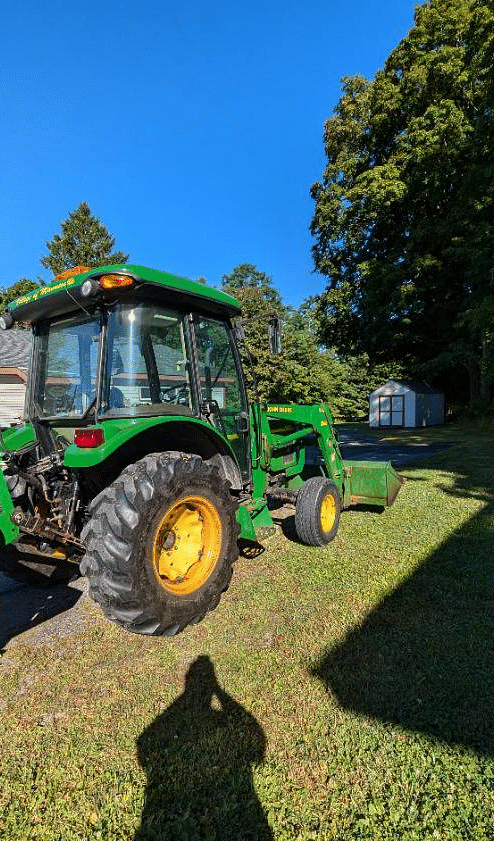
(192, 129)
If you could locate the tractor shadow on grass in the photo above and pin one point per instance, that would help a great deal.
(198, 756)
(32, 592)
(423, 659)
(250, 549)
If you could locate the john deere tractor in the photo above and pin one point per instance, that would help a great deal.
(140, 458)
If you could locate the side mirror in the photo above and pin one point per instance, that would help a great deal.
(239, 332)
(275, 334)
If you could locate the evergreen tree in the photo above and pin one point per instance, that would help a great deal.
(84, 241)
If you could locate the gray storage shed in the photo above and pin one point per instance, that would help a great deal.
(406, 404)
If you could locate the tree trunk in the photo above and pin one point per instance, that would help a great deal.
(473, 379)
(485, 384)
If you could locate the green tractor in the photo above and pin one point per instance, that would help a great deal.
(140, 458)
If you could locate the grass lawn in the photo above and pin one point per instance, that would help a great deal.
(341, 693)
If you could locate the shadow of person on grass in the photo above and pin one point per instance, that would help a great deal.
(198, 756)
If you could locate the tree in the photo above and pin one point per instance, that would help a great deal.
(303, 372)
(404, 221)
(84, 241)
(259, 300)
(22, 287)
(346, 381)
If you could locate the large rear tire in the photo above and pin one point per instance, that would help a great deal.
(161, 543)
(317, 511)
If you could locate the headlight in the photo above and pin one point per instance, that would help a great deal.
(6, 321)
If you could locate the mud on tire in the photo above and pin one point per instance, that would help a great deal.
(161, 542)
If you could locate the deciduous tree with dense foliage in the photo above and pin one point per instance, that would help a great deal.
(404, 213)
(259, 299)
(84, 241)
(305, 372)
(10, 293)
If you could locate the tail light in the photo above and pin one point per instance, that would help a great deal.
(89, 438)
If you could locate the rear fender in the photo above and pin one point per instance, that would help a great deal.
(125, 444)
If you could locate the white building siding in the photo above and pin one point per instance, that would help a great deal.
(11, 403)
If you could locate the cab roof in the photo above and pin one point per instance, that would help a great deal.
(63, 294)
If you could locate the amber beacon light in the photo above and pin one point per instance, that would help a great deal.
(112, 281)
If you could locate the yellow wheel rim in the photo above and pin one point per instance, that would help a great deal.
(187, 545)
(328, 513)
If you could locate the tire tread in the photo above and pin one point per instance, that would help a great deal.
(116, 532)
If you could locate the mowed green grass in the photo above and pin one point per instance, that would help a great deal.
(337, 693)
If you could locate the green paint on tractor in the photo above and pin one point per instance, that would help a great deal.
(141, 458)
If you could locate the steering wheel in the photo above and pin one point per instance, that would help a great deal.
(177, 388)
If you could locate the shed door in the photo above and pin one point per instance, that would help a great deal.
(392, 410)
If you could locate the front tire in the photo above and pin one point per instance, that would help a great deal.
(161, 543)
(317, 511)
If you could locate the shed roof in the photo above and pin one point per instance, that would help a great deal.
(419, 387)
(15, 348)
(411, 385)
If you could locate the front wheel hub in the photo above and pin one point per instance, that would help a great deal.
(328, 513)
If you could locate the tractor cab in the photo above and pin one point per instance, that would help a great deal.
(123, 354)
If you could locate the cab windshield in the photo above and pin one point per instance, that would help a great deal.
(146, 362)
(145, 367)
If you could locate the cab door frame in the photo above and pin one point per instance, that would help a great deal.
(239, 439)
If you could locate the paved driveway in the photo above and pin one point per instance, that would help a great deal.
(357, 446)
(29, 598)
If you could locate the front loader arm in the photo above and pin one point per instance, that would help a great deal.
(371, 482)
(309, 421)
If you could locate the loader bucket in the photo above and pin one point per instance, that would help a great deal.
(370, 483)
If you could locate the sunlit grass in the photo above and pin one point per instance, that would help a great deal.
(358, 683)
